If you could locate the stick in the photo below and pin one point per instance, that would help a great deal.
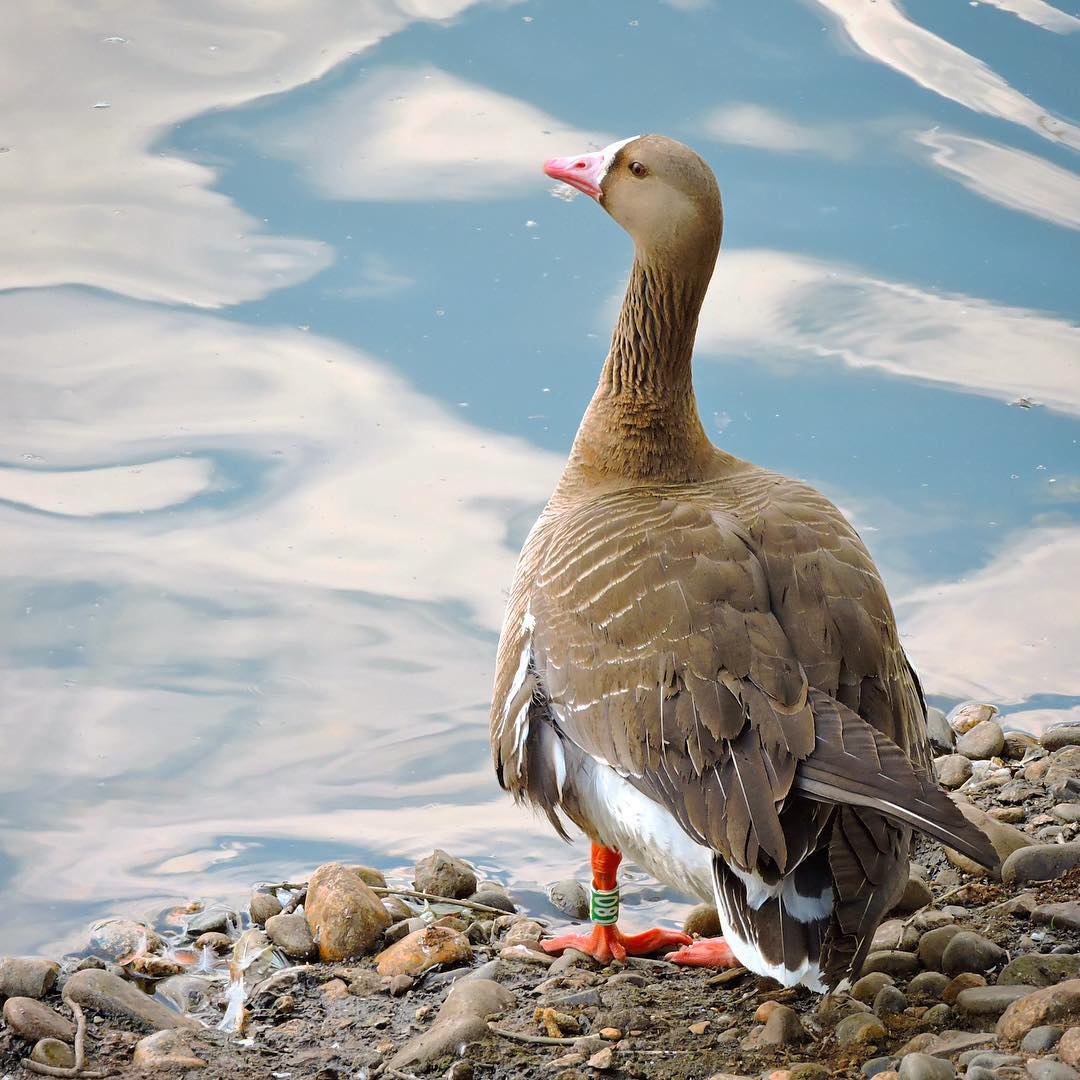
(295, 902)
(378, 890)
(542, 1040)
(80, 1051)
(939, 900)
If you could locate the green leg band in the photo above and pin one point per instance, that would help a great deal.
(604, 906)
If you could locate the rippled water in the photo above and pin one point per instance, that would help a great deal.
(294, 337)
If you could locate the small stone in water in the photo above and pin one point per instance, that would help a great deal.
(345, 917)
(569, 897)
(444, 875)
(263, 906)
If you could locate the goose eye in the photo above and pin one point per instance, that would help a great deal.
(638, 169)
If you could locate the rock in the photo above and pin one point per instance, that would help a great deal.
(1059, 1005)
(603, 1059)
(216, 920)
(1069, 812)
(926, 1067)
(927, 986)
(27, 976)
(570, 897)
(931, 919)
(892, 962)
(1068, 1047)
(345, 917)
(1060, 735)
(782, 1028)
(1039, 969)
(938, 1015)
(425, 949)
(484, 998)
(443, 874)
(868, 987)
(968, 951)
(219, 943)
(1010, 815)
(1063, 916)
(916, 894)
(166, 1050)
(986, 1001)
(859, 1029)
(1017, 744)
(494, 898)
(703, 921)
(895, 934)
(939, 731)
(441, 1039)
(878, 1065)
(397, 909)
(368, 875)
(524, 932)
(952, 770)
(1004, 838)
(1050, 1070)
(186, 992)
(982, 742)
(933, 943)
(292, 935)
(116, 938)
(949, 1043)
(53, 1052)
(969, 713)
(90, 962)
(1041, 1040)
(401, 984)
(966, 980)
(1040, 862)
(263, 906)
(109, 994)
(30, 1019)
(524, 953)
(889, 1001)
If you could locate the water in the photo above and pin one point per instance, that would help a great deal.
(295, 337)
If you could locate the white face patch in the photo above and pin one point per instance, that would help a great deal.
(609, 153)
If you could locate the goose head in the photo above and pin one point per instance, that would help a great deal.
(659, 190)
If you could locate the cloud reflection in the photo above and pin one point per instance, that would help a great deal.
(1039, 13)
(421, 133)
(883, 32)
(784, 306)
(748, 124)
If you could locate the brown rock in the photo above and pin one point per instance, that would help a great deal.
(964, 981)
(53, 1052)
(969, 713)
(933, 943)
(524, 932)
(445, 875)
(476, 997)
(292, 935)
(116, 938)
(703, 921)
(782, 1028)
(916, 894)
(1004, 838)
(263, 906)
(31, 1019)
(212, 939)
(345, 917)
(1059, 1005)
(424, 949)
(439, 1040)
(109, 994)
(1040, 862)
(368, 875)
(1068, 1047)
(27, 976)
(166, 1050)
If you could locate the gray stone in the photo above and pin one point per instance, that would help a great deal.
(445, 875)
(952, 770)
(933, 943)
(989, 1059)
(938, 1015)
(1039, 969)
(859, 1028)
(440, 1039)
(1063, 916)
(213, 920)
(950, 1043)
(30, 1019)
(263, 906)
(54, 1053)
(27, 976)
(895, 934)
(968, 951)
(115, 938)
(1040, 862)
(982, 742)
(868, 987)
(292, 935)
(1069, 812)
(166, 1050)
(927, 986)
(989, 1001)
(782, 1028)
(483, 998)
(939, 731)
(570, 897)
(877, 1065)
(916, 894)
(889, 1001)
(1060, 735)
(186, 993)
(892, 962)
(926, 1067)
(109, 994)
(494, 898)
(1041, 1040)
(1050, 1070)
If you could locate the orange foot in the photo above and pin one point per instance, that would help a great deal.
(707, 952)
(607, 943)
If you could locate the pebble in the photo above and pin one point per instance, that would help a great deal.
(889, 1001)
(1017, 744)
(114, 938)
(933, 943)
(858, 1029)
(53, 1052)
(1039, 969)
(215, 919)
(1004, 838)
(968, 951)
(484, 998)
(966, 980)
(868, 987)
(989, 1000)
(494, 898)
(1063, 916)
(603, 1059)
(1041, 1040)
(891, 962)
(939, 731)
(219, 943)
(186, 992)
(1060, 735)
(27, 976)
(441, 1039)
(1068, 1047)
(982, 742)
(1058, 1005)
(345, 917)
(878, 1065)
(1069, 812)
(570, 897)
(1040, 862)
(166, 1050)
(916, 894)
(292, 935)
(1050, 1070)
(524, 932)
(401, 984)
(895, 934)
(952, 770)
(31, 1019)
(926, 1067)
(969, 713)
(529, 956)
(445, 875)
(263, 906)
(368, 874)
(938, 1015)
(425, 949)
(927, 986)
(108, 993)
(703, 921)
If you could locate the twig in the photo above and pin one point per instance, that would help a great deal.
(297, 899)
(937, 900)
(543, 1040)
(80, 1051)
(416, 894)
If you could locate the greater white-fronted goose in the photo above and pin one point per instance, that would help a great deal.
(699, 666)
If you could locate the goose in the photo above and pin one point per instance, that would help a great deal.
(699, 666)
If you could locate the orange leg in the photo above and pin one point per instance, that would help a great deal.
(705, 952)
(607, 942)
